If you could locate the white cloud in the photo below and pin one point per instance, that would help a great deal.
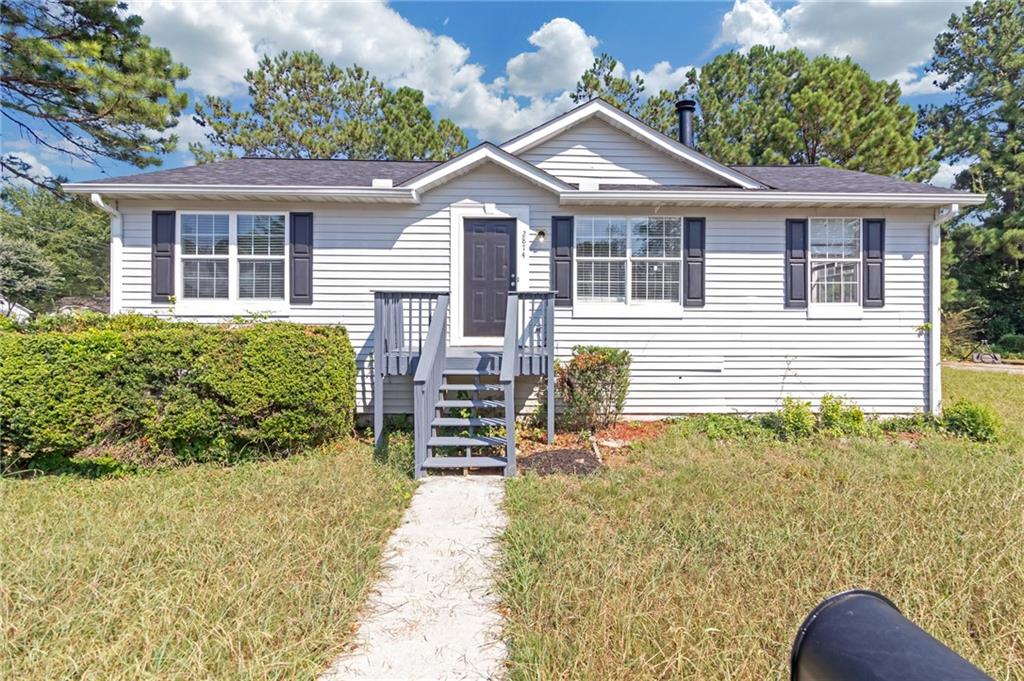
(947, 173)
(891, 40)
(219, 41)
(36, 168)
(565, 51)
(662, 77)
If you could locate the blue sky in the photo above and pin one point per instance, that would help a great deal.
(498, 68)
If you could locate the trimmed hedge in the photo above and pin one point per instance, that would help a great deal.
(200, 392)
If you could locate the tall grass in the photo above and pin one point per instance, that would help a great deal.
(698, 559)
(253, 572)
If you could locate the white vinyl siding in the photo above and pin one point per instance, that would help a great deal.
(596, 151)
(742, 352)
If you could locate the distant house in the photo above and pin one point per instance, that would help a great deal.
(18, 313)
(732, 286)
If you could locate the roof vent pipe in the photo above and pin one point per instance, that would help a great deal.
(685, 109)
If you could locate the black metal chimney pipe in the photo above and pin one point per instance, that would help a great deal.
(685, 109)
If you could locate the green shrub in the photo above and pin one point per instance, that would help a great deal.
(200, 392)
(1011, 343)
(971, 420)
(593, 385)
(839, 417)
(726, 427)
(916, 423)
(794, 421)
(7, 323)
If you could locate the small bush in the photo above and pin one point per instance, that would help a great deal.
(7, 323)
(794, 421)
(726, 427)
(1011, 343)
(593, 385)
(838, 417)
(917, 423)
(201, 392)
(971, 420)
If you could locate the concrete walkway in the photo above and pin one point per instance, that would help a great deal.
(433, 614)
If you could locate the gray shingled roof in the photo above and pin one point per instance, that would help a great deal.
(344, 173)
(281, 171)
(823, 179)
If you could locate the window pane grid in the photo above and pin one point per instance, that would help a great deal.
(205, 278)
(261, 235)
(204, 234)
(628, 259)
(261, 279)
(835, 252)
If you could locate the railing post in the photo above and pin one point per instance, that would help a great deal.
(510, 428)
(378, 371)
(549, 340)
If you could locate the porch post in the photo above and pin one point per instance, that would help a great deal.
(549, 335)
(378, 371)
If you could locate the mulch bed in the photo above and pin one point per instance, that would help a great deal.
(570, 454)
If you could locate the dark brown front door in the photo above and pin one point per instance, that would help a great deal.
(490, 272)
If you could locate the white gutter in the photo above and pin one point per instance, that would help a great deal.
(382, 194)
(934, 306)
(116, 251)
(765, 198)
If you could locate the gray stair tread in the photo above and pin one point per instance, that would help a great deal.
(476, 421)
(458, 404)
(471, 372)
(473, 387)
(465, 462)
(459, 441)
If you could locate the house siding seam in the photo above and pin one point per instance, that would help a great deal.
(596, 151)
(742, 352)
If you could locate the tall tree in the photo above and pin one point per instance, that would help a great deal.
(26, 277)
(770, 106)
(79, 77)
(605, 80)
(980, 61)
(303, 107)
(72, 237)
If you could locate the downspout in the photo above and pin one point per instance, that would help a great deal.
(942, 215)
(116, 250)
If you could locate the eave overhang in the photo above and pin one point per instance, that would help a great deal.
(765, 198)
(246, 192)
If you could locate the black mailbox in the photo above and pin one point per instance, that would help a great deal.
(861, 636)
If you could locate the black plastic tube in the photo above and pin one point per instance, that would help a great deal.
(861, 636)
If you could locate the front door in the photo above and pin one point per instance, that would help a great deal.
(490, 272)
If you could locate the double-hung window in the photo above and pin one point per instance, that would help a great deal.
(835, 260)
(632, 260)
(231, 256)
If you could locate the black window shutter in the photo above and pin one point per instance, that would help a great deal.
(796, 263)
(874, 262)
(693, 262)
(301, 258)
(162, 270)
(561, 259)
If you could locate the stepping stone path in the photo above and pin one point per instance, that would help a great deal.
(434, 613)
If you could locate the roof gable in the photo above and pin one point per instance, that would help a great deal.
(484, 153)
(627, 125)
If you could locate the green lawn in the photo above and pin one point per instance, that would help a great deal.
(699, 559)
(254, 571)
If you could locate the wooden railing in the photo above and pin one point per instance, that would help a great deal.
(428, 378)
(401, 320)
(529, 348)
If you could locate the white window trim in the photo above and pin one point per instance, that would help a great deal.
(632, 309)
(232, 305)
(836, 310)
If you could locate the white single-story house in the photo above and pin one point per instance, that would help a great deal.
(732, 286)
(9, 308)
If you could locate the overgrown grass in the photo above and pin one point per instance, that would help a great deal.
(254, 571)
(699, 558)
